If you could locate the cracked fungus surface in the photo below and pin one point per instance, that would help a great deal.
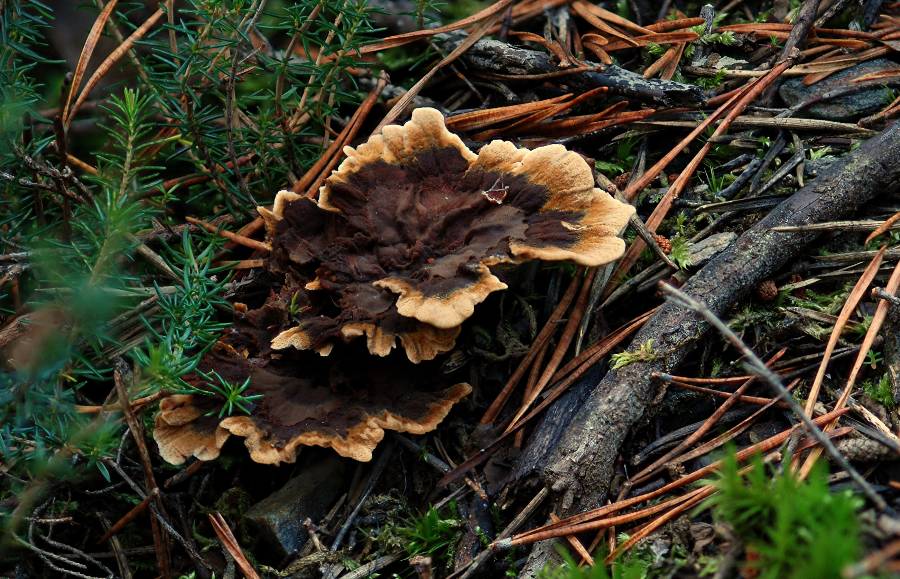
(398, 249)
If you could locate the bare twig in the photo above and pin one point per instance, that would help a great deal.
(879, 293)
(511, 528)
(376, 473)
(121, 374)
(372, 567)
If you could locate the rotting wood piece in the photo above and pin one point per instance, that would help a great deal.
(578, 466)
(494, 56)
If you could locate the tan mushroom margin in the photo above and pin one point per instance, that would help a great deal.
(183, 430)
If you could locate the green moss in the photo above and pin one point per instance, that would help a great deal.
(644, 353)
(795, 528)
(632, 567)
(880, 390)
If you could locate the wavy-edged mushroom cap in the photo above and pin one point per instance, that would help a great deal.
(405, 231)
(183, 430)
(346, 407)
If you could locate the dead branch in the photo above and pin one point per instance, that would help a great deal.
(578, 465)
(496, 57)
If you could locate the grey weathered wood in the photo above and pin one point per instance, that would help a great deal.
(494, 56)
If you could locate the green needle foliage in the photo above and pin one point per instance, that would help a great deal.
(233, 394)
(225, 104)
(798, 528)
(187, 321)
(209, 114)
(77, 264)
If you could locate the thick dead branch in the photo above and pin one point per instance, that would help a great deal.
(496, 57)
(578, 465)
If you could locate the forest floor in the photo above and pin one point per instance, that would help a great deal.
(421, 361)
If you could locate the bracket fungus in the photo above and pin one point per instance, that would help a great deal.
(305, 402)
(399, 246)
(402, 239)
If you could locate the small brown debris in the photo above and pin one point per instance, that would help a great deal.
(422, 565)
(799, 292)
(663, 242)
(767, 290)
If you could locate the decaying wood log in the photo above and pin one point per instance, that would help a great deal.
(494, 56)
(575, 460)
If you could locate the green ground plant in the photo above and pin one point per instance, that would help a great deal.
(880, 390)
(633, 566)
(431, 534)
(644, 353)
(794, 528)
(209, 120)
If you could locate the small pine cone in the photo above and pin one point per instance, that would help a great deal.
(671, 177)
(860, 449)
(767, 290)
(622, 180)
(664, 244)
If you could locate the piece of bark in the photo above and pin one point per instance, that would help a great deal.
(494, 56)
(579, 466)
